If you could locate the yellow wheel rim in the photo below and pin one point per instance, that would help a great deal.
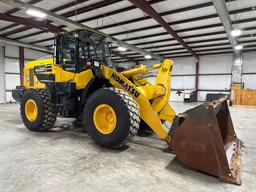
(31, 110)
(104, 118)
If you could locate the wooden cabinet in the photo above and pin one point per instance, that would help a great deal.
(244, 97)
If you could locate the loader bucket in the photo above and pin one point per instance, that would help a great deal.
(204, 139)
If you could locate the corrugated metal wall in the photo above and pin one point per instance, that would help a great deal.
(214, 74)
(184, 71)
(11, 70)
(249, 70)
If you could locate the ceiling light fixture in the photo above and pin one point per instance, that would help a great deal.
(121, 48)
(236, 32)
(239, 47)
(35, 13)
(148, 56)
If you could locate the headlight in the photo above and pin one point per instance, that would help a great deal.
(96, 64)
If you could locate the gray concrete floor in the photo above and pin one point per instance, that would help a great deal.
(66, 159)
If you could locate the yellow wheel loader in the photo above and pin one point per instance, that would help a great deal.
(80, 82)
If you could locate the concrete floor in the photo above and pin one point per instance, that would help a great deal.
(66, 159)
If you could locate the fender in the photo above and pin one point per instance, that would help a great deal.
(86, 90)
(94, 84)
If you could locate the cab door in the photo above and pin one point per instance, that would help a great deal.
(67, 52)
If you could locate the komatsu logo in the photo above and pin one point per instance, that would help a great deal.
(125, 85)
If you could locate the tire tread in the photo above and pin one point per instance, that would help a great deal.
(134, 114)
(50, 115)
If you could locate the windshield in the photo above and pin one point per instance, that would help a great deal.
(94, 47)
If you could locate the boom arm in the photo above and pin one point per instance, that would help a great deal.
(157, 94)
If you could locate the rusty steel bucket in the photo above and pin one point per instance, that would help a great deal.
(204, 139)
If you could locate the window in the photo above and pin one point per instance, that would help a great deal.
(67, 52)
(93, 46)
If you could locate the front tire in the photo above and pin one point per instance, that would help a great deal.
(112, 117)
(37, 110)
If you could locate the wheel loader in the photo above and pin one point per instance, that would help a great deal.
(80, 82)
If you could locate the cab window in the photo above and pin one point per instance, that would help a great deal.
(67, 54)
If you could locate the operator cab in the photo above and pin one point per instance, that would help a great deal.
(81, 50)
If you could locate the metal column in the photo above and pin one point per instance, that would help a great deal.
(21, 62)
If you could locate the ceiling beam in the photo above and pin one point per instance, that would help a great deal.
(196, 48)
(183, 21)
(46, 21)
(173, 56)
(70, 13)
(31, 23)
(190, 37)
(146, 7)
(12, 11)
(165, 13)
(199, 41)
(200, 52)
(253, 19)
(107, 14)
(189, 42)
(68, 5)
(124, 57)
(74, 25)
(170, 12)
(89, 8)
(9, 41)
(210, 43)
(94, 17)
(198, 6)
(43, 26)
(180, 30)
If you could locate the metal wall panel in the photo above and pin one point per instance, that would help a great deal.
(12, 65)
(11, 81)
(33, 54)
(11, 51)
(213, 82)
(183, 82)
(249, 81)
(249, 62)
(8, 96)
(216, 64)
(184, 66)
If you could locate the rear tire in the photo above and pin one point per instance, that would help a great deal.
(127, 117)
(46, 112)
